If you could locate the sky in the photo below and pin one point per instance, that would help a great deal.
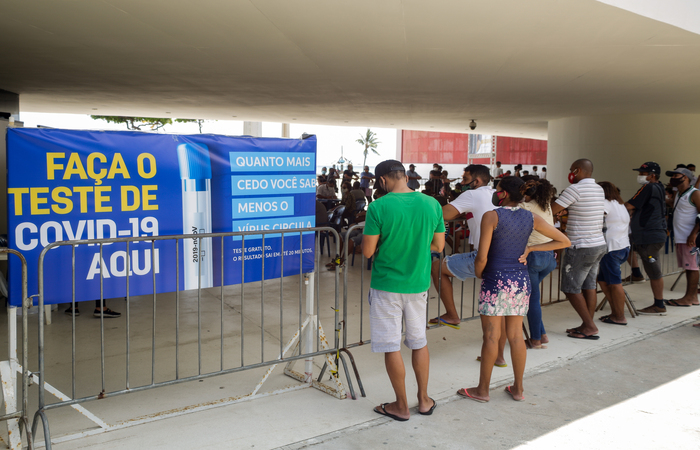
(330, 138)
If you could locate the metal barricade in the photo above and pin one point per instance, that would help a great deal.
(465, 293)
(17, 419)
(307, 341)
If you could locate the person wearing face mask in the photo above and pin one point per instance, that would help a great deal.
(401, 229)
(365, 179)
(323, 177)
(686, 209)
(585, 202)
(505, 287)
(475, 199)
(648, 230)
(695, 181)
(413, 177)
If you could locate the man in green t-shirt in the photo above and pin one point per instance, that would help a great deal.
(401, 229)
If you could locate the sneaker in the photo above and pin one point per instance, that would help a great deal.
(632, 278)
(69, 311)
(108, 313)
(653, 310)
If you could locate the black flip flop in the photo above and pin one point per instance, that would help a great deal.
(607, 319)
(388, 414)
(592, 337)
(430, 411)
(675, 303)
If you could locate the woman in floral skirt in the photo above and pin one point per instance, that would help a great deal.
(505, 285)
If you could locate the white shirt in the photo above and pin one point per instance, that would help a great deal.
(684, 215)
(499, 171)
(585, 201)
(617, 222)
(478, 202)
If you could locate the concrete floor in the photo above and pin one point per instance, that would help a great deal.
(309, 417)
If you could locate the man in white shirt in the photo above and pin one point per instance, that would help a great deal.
(585, 201)
(476, 200)
(499, 170)
(686, 210)
(534, 171)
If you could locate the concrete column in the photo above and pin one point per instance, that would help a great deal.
(9, 105)
(285, 130)
(252, 129)
(617, 144)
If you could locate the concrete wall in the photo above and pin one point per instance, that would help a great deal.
(617, 144)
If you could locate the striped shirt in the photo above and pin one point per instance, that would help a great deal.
(585, 201)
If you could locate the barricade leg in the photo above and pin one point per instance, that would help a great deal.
(9, 394)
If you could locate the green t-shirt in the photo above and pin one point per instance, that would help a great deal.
(405, 224)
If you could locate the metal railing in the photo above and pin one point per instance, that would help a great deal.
(467, 300)
(309, 336)
(8, 369)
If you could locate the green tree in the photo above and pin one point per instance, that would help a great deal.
(199, 122)
(370, 142)
(135, 123)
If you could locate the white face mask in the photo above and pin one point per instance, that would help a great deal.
(642, 179)
(344, 190)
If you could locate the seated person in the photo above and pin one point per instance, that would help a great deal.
(326, 191)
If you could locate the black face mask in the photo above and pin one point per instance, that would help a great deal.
(496, 200)
(675, 182)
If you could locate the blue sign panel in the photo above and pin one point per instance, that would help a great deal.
(71, 185)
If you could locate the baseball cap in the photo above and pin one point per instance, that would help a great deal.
(411, 165)
(650, 167)
(682, 171)
(390, 165)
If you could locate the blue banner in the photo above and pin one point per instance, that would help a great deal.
(69, 185)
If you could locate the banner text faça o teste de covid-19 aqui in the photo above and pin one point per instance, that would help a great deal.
(70, 185)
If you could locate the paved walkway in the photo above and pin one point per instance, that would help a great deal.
(644, 395)
(574, 387)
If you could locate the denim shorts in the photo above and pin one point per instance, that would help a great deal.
(609, 271)
(580, 268)
(461, 265)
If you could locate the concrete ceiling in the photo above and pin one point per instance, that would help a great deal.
(511, 64)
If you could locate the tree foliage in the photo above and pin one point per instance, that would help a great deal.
(370, 142)
(136, 123)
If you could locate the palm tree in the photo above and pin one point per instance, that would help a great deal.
(370, 142)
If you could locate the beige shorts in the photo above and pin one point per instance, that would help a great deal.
(387, 310)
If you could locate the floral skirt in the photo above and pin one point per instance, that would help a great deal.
(505, 294)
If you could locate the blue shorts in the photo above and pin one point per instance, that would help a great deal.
(461, 265)
(609, 271)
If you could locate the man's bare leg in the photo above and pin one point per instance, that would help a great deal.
(443, 283)
(616, 297)
(518, 353)
(657, 288)
(421, 365)
(588, 327)
(397, 375)
(691, 289)
(591, 301)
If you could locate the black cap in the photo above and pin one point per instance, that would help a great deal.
(682, 171)
(390, 165)
(650, 167)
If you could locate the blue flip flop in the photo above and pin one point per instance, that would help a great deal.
(440, 320)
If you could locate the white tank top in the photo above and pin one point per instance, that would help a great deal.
(684, 216)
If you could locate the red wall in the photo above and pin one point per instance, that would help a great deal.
(511, 150)
(432, 147)
(452, 148)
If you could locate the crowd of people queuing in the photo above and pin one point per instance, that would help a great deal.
(514, 223)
